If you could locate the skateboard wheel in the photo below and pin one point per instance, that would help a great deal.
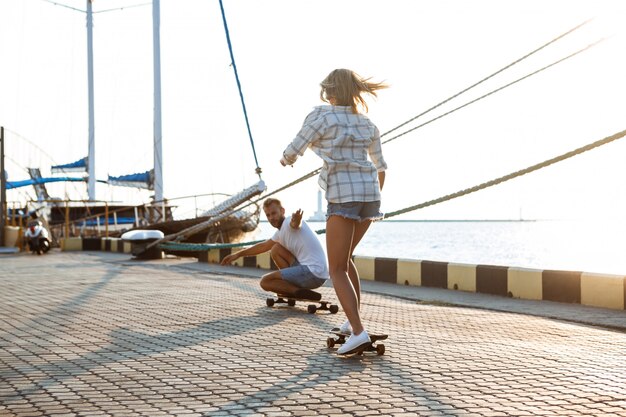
(330, 342)
(334, 309)
(291, 303)
(311, 308)
(380, 350)
(269, 302)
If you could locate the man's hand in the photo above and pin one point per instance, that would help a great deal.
(229, 259)
(296, 219)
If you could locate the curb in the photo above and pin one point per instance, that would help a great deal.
(576, 287)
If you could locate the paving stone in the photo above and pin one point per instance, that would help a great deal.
(101, 334)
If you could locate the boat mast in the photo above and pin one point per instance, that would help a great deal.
(91, 160)
(158, 136)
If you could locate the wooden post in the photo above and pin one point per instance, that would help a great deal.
(67, 220)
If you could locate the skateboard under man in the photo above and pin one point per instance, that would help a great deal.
(312, 308)
(340, 338)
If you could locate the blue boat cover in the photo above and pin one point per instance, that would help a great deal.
(140, 180)
(24, 183)
(78, 166)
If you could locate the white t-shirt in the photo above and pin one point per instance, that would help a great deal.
(304, 245)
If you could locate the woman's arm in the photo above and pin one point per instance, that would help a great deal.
(311, 130)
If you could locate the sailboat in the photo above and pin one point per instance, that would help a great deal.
(89, 217)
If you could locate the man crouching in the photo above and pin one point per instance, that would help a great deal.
(295, 250)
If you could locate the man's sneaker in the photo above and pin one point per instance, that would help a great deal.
(307, 294)
(345, 328)
(354, 342)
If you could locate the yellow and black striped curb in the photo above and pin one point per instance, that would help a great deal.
(96, 243)
(592, 289)
(586, 288)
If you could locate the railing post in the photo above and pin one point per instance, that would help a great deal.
(20, 234)
(67, 220)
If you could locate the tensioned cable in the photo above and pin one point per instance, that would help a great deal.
(488, 77)
(447, 197)
(512, 175)
(461, 193)
(504, 178)
(213, 220)
(243, 103)
(37, 147)
(98, 11)
(65, 5)
(312, 173)
(496, 90)
(123, 7)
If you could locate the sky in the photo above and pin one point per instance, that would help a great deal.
(426, 50)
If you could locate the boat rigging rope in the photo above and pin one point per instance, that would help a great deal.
(512, 175)
(207, 223)
(243, 103)
(488, 77)
(496, 90)
(447, 197)
(312, 173)
(441, 199)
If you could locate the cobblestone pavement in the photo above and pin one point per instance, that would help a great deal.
(89, 333)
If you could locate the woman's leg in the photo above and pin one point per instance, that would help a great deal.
(359, 231)
(339, 232)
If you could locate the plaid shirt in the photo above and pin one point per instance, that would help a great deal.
(343, 140)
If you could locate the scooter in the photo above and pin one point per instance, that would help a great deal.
(37, 237)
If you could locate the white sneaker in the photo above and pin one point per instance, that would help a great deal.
(354, 342)
(345, 328)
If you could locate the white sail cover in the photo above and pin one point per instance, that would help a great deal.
(237, 199)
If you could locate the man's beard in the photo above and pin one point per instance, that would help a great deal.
(278, 224)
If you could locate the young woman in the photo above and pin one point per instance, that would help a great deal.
(343, 138)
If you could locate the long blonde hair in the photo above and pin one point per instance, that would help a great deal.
(346, 86)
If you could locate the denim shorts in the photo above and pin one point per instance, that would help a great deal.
(301, 276)
(356, 210)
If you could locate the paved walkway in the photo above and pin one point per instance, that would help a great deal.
(90, 333)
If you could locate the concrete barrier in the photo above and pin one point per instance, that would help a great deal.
(598, 290)
(11, 236)
(72, 244)
(592, 289)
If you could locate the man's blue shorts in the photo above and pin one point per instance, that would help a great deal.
(301, 276)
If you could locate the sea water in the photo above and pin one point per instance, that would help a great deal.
(597, 246)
